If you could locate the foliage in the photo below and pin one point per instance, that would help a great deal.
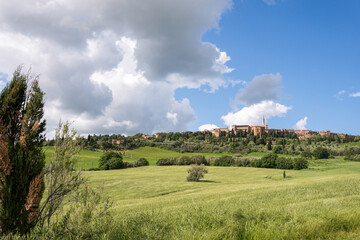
(321, 153)
(300, 163)
(21, 155)
(87, 217)
(269, 160)
(353, 157)
(284, 163)
(111, 160)
(142, 162)
(164, 162)
(306, 154)
(277, 149)
(60, 177)
(224, 161)
(196, 172)
(183, 160)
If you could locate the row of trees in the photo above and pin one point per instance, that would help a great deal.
(206, 142)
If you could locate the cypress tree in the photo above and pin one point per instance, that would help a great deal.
(21, 157)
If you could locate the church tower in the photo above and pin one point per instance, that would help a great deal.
(263, 121)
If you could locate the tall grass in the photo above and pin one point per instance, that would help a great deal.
(322, 202)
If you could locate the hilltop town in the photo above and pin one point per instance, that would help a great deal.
(261, 130)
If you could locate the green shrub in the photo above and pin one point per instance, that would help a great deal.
(306, 154)
(115, 163)
(245, 162)
(300, 163)
(111, 160)
(321, 153)
(129, 164)
(284, 163)
(142, 162)
(165, 162)
(269, 160)
(196, 172)
(199, 159)
(224, 161)
(184, 160)
(277, 150)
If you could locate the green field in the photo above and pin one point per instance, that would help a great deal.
(87, 159)
(322, 202)
(156, 202)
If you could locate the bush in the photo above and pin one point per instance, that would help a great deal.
(306, 154)
(115, 163)
(321, 153)
(198, 159)
(269, 160)
(111, 160)
(300, 163)
(196, 172)
(142, 162)
(129, 164)
(184, 160)
(165, 162)
(284, 163)
(245, 162)
(224, 161)
(277, 150)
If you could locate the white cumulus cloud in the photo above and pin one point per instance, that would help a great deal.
(252, 115)
(113, 67)
(355, 94)
(301, 124)
(207, 127)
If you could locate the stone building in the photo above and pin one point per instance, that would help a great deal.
(244, 128)
(217, 131)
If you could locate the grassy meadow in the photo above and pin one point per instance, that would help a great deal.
(322, 202)
(156, 202)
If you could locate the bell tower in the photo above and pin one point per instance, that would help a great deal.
(263, 121)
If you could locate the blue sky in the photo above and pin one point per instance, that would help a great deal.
(314, 45)
(157, 66)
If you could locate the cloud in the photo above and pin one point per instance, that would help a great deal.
(252, 115)
(110, 70)
(207, 127)
(355, 94)
(342, 92)
(301, 124)
(340, 95)
(263, 87)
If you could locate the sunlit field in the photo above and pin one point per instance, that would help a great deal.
(156, 202)
(322, 202)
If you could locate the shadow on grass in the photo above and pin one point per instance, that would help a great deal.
(208, 181)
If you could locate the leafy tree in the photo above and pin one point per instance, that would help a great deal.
(196, 172)
(321, 153)
(269, 160)
(21, 157)
(111, 160)
(277, 150)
